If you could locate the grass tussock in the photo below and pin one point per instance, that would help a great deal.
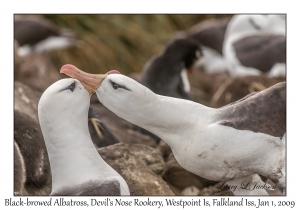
(122, 42)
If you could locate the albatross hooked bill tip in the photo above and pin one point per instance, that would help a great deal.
(90, 81)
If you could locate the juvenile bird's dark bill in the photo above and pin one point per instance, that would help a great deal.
(90, 81)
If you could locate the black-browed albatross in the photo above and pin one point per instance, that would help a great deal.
(76, 166)
(233, 143)
(253, 46)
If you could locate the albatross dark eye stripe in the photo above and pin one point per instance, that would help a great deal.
(116, 85)
(70, 87)
(251, 21)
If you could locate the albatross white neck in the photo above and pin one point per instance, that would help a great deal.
(174, 119)
(171, 119)
(74, 160)
(73, 157)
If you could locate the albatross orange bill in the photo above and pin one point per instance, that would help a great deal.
(90, 81)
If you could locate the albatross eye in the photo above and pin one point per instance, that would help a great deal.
(72, 86)
(115, 85)
(257, 27)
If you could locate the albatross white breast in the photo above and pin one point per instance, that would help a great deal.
(76, 166)
(225, 144)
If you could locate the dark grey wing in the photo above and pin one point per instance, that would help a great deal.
(262, 112)
(261, 52)
(242, 99)
(108, 188)
(33, 30)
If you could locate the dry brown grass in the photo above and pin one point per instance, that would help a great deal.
(122, 42)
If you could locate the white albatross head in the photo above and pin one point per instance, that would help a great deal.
(64, 98)
(241, 26)
(125, 97)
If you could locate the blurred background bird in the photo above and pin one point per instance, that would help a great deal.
(210, 34)
(166, 73)
(37, 34)
(231, 56)
(254, 45)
